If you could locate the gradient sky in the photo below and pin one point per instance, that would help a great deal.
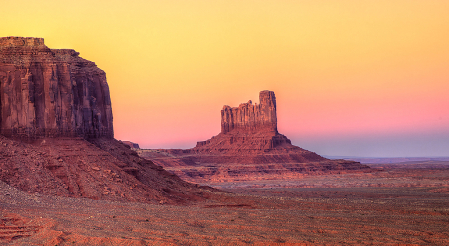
(351, 77)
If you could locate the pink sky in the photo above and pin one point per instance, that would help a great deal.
(359, 78)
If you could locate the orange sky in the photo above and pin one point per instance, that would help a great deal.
(362, 73)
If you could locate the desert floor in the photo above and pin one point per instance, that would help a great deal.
(389, 207)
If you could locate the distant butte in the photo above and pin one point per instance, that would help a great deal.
(249, 147)
(247, 128)
(131, 144)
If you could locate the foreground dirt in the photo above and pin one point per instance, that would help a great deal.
(252, 216)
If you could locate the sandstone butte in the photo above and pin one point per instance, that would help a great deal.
(51, 92)
(249, 147)
(56, 132)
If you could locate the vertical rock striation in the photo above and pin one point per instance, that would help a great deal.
(249, 147)
(249, 117)
(248, 126)
(61, 98)
(51, 92)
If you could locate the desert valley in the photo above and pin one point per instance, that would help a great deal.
(65, 180)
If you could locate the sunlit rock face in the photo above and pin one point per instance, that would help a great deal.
(248, 148)
(60, 102)
(249, 117)
(248, 127)
(51, 92)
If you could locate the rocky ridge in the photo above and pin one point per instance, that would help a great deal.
(100, 169)
(131, 144)
(249, 147)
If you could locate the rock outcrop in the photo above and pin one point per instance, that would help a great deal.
(249, 117)
(247, 127)
(131, 144)
(249, 147)
(49, 92)
(252, 129)
(59, 103)
(100, 168)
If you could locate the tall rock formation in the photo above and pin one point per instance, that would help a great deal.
(249, 147)
(61, 102)
(251, 118)
(51, 92)
(248, 126)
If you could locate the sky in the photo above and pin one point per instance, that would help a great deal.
(351, 77)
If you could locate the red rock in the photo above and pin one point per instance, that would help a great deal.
(249, 147)
(131, 144)
(249, 128)
(56, 101)
(48, 92)
(249, 117)
(100, 169)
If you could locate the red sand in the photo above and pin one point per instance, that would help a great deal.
(394, 215)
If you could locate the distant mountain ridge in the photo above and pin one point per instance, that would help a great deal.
(384, 160)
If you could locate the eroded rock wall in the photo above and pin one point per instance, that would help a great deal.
(248, 148)
(249, 126)
(249, 117)
(51, 92)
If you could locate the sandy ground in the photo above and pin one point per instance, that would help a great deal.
(397, 214)
(395, 177)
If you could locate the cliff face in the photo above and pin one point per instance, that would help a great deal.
(249, 117)
(60, 100)
(48, 93)
(250, 127)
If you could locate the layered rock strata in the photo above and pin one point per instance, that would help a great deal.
(249, 147)
(247, 127)
(249, 117)
(60, 103)
(51, 92)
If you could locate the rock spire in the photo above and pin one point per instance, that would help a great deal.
(249, 125)
(249, 117)
(248, 148)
